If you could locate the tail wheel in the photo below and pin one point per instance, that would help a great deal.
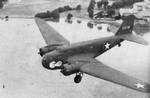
(119, 45)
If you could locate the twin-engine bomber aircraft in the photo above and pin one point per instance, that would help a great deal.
(80, 57)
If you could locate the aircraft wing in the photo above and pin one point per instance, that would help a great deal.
(97, 69)
(49, 34)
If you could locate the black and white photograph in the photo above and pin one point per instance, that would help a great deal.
(74, 48)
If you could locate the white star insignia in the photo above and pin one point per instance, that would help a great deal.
(138, 85)
(107, 46)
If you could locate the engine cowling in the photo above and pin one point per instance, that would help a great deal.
(48, 48)
(69, 69)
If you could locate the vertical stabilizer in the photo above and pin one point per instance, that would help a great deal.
(125, 31)
(127, 25)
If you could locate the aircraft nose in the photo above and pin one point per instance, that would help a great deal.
(45, 63)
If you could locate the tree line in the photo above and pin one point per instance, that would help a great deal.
(124, 3)
(2, 2)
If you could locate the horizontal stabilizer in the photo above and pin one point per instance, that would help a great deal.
(133, 38)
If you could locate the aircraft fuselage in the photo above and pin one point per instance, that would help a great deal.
(93, 47)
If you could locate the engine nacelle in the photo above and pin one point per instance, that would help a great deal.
(48, 48)
(69, 69)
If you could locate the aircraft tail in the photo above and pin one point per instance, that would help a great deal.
(125, 31)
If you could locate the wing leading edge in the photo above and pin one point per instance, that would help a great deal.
(49, 34)
(99, 70)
